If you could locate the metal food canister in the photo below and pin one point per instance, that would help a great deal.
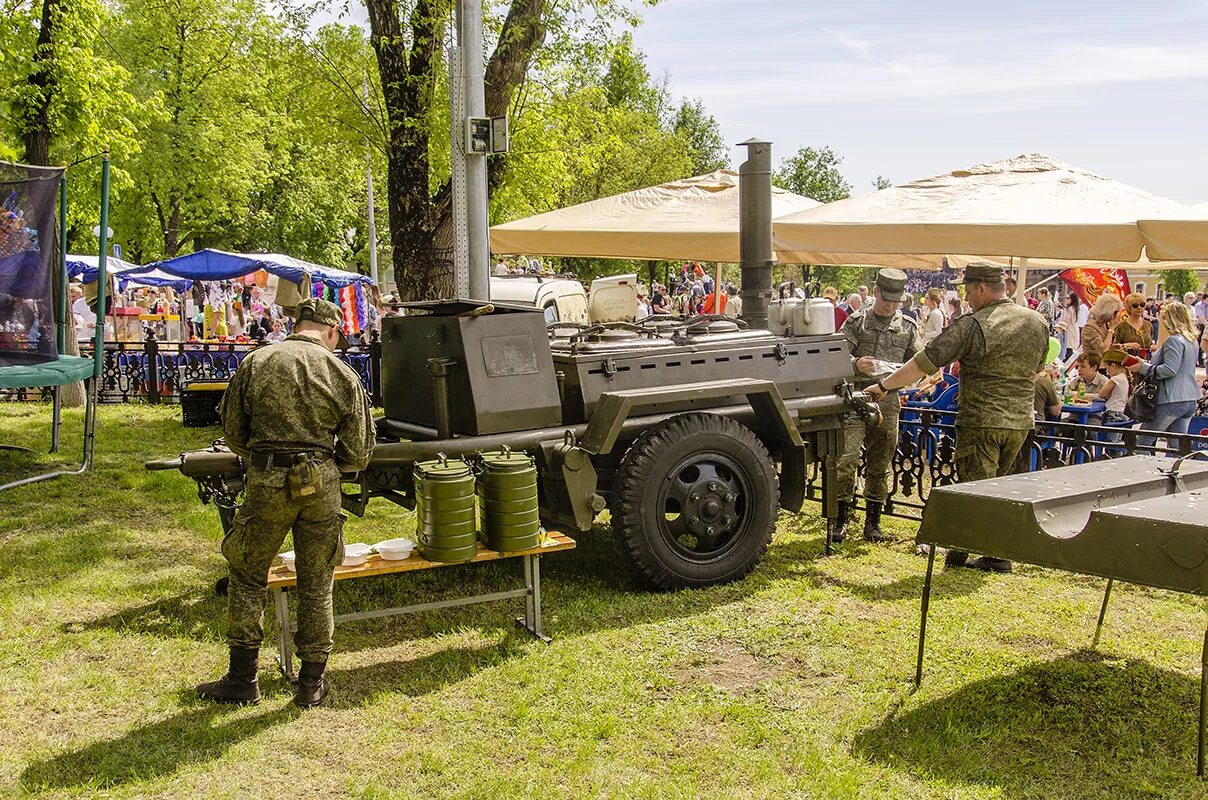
(507, 498)
(446, 524)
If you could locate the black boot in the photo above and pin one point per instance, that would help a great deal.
(872, 522)
(240, 685)
(839, 532)
(312, 686)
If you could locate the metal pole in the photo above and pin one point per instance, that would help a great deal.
(1102, 613)
(457, 178)
(755, 231)
(372, 232)
(476, 165)
(1199, 761)
(61, 330)
(918, 667)
(102, 276)
(1021, 282)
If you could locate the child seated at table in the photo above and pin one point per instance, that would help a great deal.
(1086, 387)
(1115, 388)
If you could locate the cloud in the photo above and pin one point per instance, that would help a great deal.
(847, 41)
(964, 72)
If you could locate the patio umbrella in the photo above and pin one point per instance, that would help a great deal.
(1180, 235)
(1031, 206)
(694, 218)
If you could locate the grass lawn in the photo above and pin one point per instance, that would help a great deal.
(795, 683)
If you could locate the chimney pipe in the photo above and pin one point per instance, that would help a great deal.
(755, 231)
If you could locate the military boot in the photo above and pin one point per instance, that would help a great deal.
(839, 532)
(240, 685)
(312, 686)
(872, 522)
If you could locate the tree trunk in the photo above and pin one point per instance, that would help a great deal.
(35, 138)
(421, 225)
(35, 111)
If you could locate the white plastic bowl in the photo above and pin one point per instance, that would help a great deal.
(395, 549)
(288, 558)
(355, 554)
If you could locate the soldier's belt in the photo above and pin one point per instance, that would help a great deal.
(286, 460)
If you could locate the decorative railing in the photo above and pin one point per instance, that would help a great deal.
(154, 372)
(926, 454)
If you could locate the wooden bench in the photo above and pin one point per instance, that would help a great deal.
(281, 581)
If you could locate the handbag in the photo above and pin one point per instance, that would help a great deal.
(1143, 400)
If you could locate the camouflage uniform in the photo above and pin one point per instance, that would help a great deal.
(894, 339)
(1000, 347)
(291, 397)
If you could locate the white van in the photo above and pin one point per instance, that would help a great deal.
(562, 299)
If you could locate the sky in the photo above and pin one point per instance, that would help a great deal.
(913, 89)
(916, 88)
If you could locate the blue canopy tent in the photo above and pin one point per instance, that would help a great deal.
(84, 268)
(33, 297)
(217, 265)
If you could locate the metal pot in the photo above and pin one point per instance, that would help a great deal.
(507, 497)
(446, 523)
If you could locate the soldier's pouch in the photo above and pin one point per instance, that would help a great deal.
(304, 481)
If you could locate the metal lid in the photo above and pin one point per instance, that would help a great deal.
(442, 469)
(504, 459)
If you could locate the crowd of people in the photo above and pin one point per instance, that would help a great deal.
(213, 311)
(691, 291)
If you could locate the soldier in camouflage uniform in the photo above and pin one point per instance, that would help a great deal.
(877, 332)
(298, 417)
(1000, 346)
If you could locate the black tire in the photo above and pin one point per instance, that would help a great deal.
(695, 501)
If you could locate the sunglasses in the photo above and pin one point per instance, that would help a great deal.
(1136, 305)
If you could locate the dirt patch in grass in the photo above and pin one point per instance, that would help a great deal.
(729, 667)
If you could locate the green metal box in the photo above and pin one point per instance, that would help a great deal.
(503, 374)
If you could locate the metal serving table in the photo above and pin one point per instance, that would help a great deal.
(1141, 519)
(281, 580)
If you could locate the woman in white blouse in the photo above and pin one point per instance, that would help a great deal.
(932, 319)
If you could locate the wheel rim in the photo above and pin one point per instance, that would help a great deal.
(703, 505)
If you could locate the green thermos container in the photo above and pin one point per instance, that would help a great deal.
(446, 525)
(507, 501)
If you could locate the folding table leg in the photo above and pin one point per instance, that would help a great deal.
(531, 621)
(285, 644)
(1199, 761)
(56, 420)
(918, 668)
(1102, 613)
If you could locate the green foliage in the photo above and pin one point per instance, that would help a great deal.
(813, 173)
(597, 126)
(1180, 281)
(703, 136)
(881, 182)
(243, 127)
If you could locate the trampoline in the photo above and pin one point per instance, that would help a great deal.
(33, 299)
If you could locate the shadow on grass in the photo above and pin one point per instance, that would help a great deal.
(1080, 726)
(806, 555)
(202, 734)
(193, 736)
(419, 676)
(199, 614)
(593, 587)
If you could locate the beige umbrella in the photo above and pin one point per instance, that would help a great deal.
(694, 218)
(1183, 234)
(1031, 206)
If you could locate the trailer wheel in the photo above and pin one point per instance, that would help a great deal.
(696, 501)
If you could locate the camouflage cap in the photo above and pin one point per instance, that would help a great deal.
(891, 284)
(982, 272)
(323, 312)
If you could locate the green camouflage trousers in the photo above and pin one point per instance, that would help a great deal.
(987, 452)
(256, 536)
(881, 441)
